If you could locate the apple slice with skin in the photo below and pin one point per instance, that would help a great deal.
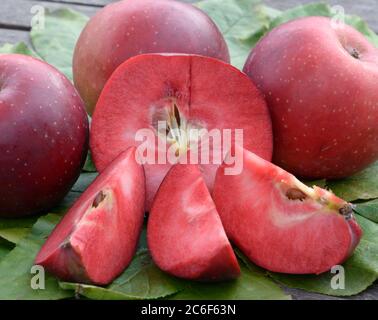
(97, 238)
(280, 223)
(187, 92)
(184, 232)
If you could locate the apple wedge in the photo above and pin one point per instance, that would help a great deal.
(97, 238)
(281, 224)
(184, 232)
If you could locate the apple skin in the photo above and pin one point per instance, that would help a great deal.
(43, 135)
(128, 28)
(323, 101)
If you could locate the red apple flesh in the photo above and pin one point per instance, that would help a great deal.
(184, 232)
(97, 238)
(128, 28)
(321, 86)
(281, 224)
(43, 135)
(186, 92)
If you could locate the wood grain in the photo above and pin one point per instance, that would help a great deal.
(94, 3)
(16, 13)
(14, 36)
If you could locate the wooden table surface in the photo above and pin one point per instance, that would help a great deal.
(15, 17)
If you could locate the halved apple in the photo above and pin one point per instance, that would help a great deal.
(98, 236)
(280, 223)
(184, 232)
(187, 93)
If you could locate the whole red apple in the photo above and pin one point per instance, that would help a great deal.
(320, 80)
(128, 28)
(43, 135)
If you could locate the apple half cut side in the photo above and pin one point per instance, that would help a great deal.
(281, 224)
(184, 232)
(187, 93)
(97, 238)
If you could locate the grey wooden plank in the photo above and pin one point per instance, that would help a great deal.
(14, 36)
(96, 3)
(17, 14)
(367, 9)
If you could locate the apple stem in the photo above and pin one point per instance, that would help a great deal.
(354, 53)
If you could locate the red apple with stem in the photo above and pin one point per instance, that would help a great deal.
(128, 28)
(43, 135)
(320, 80)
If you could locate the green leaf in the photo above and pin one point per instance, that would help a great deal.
(5, 248)
(356, 282)
(366, 254)
(363, 27)
(323, 9)
(13, 230)
(141, 280)
(251, 285)
(7, 223)
(312, 9)
(55, 42)
(67, 202)
(240, 21)
(89, 165)
(3, 251)
(361, 270)
(368, 210)
(15, 280)
(319, 183)
(270, 13)
(248, 263)
(14, 235)
(142, 243)
(361, 186)
(20, 48)
(84, 181)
